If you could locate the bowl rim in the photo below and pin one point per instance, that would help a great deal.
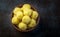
(38, 19)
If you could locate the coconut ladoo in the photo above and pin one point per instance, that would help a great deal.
(26, 19)
(27, 12)
(34, 15)
(26, 6)
(22, 26)
(19, 15)
(16, 9)
(15, 20)
(32, 23)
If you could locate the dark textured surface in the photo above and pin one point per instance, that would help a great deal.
(49, 23)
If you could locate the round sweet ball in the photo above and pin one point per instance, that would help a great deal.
(26, 19)
(28, 12)
(22, 26)
(26, 6)
(34, 15)
(19, 15)
(16, 9)
(15, 20)
(32, 23)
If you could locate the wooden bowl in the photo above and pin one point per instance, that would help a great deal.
(38, 19)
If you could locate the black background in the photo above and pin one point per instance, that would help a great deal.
(49, 18)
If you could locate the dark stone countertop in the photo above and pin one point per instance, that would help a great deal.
(49, 18)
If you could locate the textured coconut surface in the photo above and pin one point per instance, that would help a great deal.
(49, 18)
